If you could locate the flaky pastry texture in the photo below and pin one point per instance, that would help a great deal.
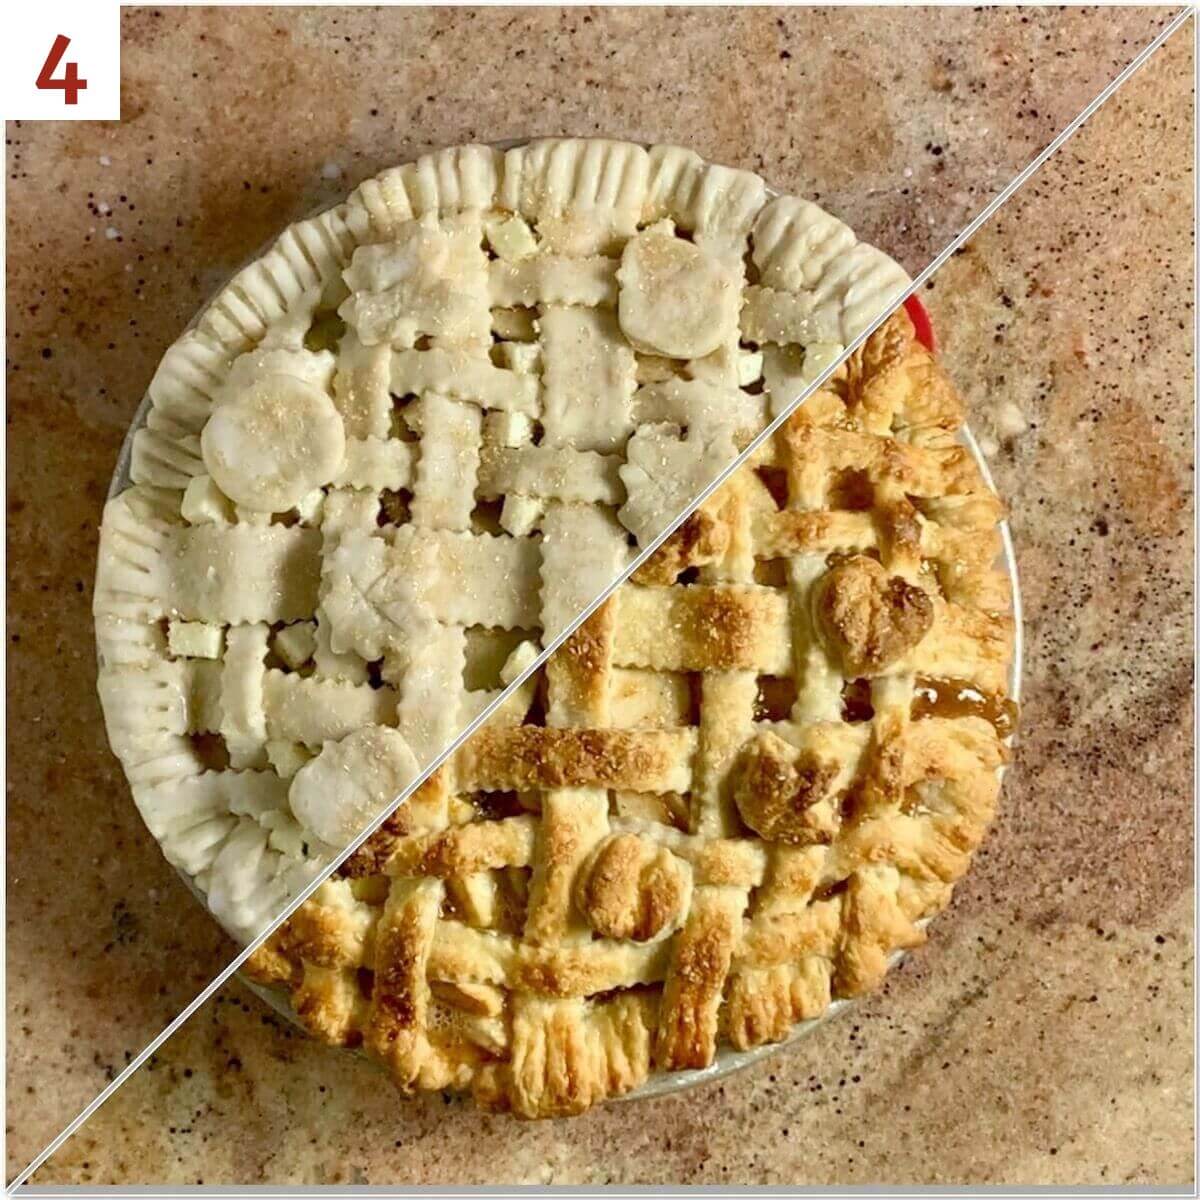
(735, 793)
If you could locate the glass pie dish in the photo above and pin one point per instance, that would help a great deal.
(727, 1059)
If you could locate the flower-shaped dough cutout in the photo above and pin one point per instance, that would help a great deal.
(663, 470)
(274, 442)
(702, 539)
(869, 618)
(431, 278)
(632, 889)
(784, 794)
(348, 784)
(676, 299)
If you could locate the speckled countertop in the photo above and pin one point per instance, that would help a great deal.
(1045, 1033)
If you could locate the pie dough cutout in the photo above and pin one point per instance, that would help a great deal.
(676, 299)
(346, 786)
(273, 443)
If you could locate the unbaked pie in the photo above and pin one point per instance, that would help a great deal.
(733, 794)
(409, 444)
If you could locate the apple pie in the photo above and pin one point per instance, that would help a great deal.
(402, 450)
(730, 797)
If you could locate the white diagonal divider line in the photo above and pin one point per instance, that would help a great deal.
(955, 243)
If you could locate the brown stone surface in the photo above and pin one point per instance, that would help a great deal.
(1045, 1034)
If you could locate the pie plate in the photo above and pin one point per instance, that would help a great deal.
(726, 1060)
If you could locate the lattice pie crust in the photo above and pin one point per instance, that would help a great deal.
(737, 790)
(411, 442)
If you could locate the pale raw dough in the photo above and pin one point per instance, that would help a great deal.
(676, 298)
(272, 444)
(350, 782)
(432, 419)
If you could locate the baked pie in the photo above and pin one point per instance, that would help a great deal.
(729, 798)
(408, 445)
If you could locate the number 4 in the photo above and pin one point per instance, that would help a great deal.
(70, 84)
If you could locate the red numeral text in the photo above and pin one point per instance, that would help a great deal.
(69, 84)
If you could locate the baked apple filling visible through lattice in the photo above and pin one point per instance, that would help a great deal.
(409, 444)
(735, 792)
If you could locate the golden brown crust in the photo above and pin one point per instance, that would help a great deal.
(576, 674)
(269, 965)
(528, 758)
(702, 539)
(785, 795)
(369, 858)
(631, 889)
(869, 618)
(570, 905)
(687, 1034)
(702, 627)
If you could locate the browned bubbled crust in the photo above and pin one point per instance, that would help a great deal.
(630, 890)
(269, 965)
(529, 757)
(574, 901)
(703, 538)
(779, 792)
(870, 618)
